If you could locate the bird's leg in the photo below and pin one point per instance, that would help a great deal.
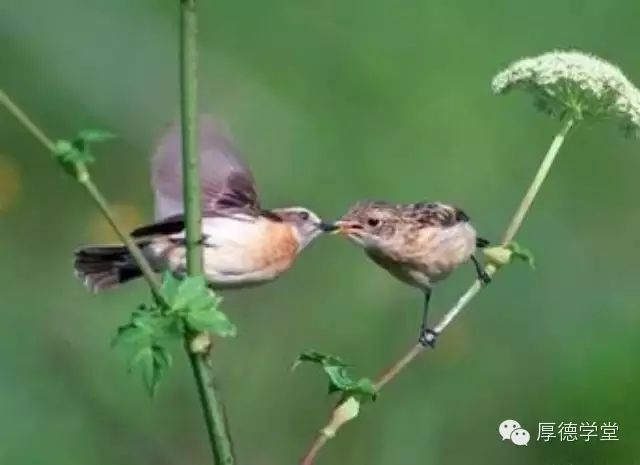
(482, 275)
(427, 335)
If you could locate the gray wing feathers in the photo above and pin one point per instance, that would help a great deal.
(226, 181)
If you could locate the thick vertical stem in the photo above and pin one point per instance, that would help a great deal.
(212, 406)
(189, 116)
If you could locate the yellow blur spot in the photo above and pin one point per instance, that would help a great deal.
(10, 185)
(100, 231)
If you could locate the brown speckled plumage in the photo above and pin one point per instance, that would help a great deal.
(418, 243)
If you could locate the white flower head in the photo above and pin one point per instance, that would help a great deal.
(572, 82)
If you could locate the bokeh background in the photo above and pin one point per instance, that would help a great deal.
(331, 101)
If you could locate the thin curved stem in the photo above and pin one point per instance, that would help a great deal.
(317, 445)
(514, 226)
(137, 254)
(534, 187)
(212, 408)
(93, 191)
(22, 117)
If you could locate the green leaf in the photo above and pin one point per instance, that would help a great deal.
(152, 362)
(191, 299)
(210, 319)
(191, 289)
(522, 254)
(72, 160)
(73, 155)
(169, 287)
(339, 378)
(319, 358)
(130, 335)
(143, 339)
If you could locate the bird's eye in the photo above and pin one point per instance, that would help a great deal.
(304, 216)
(373, 222)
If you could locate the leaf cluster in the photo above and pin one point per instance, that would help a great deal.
(184, 307)
(340, 380)
(75, 154)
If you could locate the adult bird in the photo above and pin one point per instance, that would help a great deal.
(243, 243)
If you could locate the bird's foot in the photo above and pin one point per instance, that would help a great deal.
(428, 338)
(484, 277)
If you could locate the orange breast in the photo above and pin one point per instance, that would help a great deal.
(280, 247)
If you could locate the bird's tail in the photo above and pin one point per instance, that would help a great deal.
(482, 243)
(104, 267)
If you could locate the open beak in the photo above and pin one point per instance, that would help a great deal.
(346, 227)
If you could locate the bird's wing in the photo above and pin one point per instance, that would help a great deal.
(175, 224)
(435, 214)
(226, 181)
(166, 227)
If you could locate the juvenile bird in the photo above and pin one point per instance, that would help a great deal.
(243, 244)
(418, 243)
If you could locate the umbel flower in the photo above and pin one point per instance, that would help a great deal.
(575, 84)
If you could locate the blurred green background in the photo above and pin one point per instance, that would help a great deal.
(331, 101)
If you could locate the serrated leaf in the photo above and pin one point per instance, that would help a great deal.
(152, 362)
(143, 341)
(191, 299)
(191, 289)
(319, 358)
(339, 379)
(210, 319)
(130, 335)
(169, 287)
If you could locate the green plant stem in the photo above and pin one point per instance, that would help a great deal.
(514, 226)
(212, 405)
(189, 116)
(26, 122)
(534, 187)
(212, 408)
(85, 180)
(137, 254)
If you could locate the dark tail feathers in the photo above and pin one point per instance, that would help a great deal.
(482, 243)
(104, 267)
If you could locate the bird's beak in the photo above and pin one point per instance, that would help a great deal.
(346, 227)
(328, 227)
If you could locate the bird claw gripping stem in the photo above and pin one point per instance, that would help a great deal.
(428, 338)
